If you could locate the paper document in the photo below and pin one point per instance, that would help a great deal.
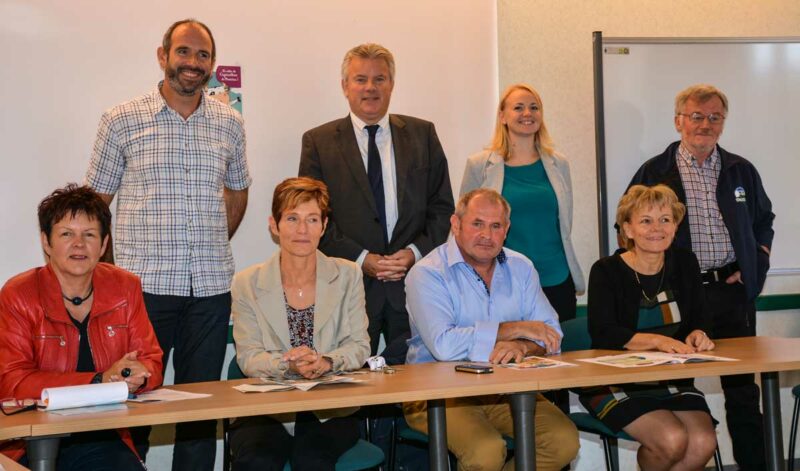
(534, 362)
(166, 395)
(84, 395)
(641, 359)
(274, 384)
(90, 410)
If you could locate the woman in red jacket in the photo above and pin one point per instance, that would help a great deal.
(76, 321)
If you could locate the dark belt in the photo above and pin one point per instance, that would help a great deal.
(719, 275)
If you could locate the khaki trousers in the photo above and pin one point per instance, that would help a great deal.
(476, 425)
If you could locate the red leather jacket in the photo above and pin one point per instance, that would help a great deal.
(39, 342)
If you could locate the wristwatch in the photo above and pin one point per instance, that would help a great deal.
(97, 379)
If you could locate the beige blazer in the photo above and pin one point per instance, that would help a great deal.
(486, 170)
(261, 327)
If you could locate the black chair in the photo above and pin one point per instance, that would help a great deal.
(362, 455)
(576, 337)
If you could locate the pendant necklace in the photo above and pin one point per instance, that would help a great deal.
(658, 289)
(77, 300)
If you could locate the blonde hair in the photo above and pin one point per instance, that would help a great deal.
(293, 192)
(640, 196)
(701, 93)
(500, 141)
(368, 51)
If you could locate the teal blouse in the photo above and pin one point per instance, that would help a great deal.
(534, 221)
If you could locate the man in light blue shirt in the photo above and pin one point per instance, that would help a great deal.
(471, 299)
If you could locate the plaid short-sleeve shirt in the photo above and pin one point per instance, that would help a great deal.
(711, 241)
(169, 174)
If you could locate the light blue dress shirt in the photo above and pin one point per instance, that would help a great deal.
(452, 315)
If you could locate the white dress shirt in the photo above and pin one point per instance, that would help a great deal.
(383, 139)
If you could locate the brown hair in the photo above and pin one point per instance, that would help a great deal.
(166, 42)
(640, 196)
(293, 192)
(500, 141)
(73, 199)
(492, 195)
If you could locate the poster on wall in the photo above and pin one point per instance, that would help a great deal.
(225, 85)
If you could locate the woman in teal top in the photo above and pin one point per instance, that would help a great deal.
(522, 164)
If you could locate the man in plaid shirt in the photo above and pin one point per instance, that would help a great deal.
(177, 160)
(729, 227)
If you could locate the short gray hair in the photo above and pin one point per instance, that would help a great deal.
(702, 92)
(492, 195)
(368, 51)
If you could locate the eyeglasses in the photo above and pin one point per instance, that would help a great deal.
(15, 406)
(698, 118)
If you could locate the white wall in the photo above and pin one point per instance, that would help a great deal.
(66, 62)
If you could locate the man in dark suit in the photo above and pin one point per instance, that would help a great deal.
(390, 190)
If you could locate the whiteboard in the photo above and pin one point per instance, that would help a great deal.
(761, 78)
(65, 62)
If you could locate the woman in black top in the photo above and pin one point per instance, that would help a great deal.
(650, 297)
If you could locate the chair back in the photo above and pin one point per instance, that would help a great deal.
(234, 372)
(576, 335)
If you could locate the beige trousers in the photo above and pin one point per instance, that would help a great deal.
(476, 426)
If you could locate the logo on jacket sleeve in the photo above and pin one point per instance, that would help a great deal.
(739, 194)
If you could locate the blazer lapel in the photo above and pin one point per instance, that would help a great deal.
(494, 172)
(327, 299)
(559, 188)
(402, 164)
(270, 299)
(351, 155)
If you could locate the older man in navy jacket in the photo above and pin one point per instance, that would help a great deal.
(729, 228)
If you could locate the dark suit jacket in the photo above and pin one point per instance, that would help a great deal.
(425, 200)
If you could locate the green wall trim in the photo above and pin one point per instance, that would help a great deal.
(778, 302)
(767, 302)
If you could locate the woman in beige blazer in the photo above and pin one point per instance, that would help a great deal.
(300, 314)
(522, 165)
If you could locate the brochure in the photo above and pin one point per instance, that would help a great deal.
(642, 359)
(274, 384)
(534, 362)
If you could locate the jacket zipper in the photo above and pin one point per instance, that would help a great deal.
(61, 341)
(110, 329)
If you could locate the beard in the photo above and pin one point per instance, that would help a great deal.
(185, 88)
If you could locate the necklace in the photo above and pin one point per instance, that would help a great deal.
(77, 300)
(658, 289)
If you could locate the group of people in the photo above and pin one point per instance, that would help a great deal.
(371, 244)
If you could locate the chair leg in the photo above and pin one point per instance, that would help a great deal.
(392, 459)
(611, 453)
(717, 459)
(226, 445)
(793, 433)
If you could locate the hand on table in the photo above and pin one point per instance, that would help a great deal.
(670, 345)
(507, 350)
(307, 362)
(138, 372)
(700, 341)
